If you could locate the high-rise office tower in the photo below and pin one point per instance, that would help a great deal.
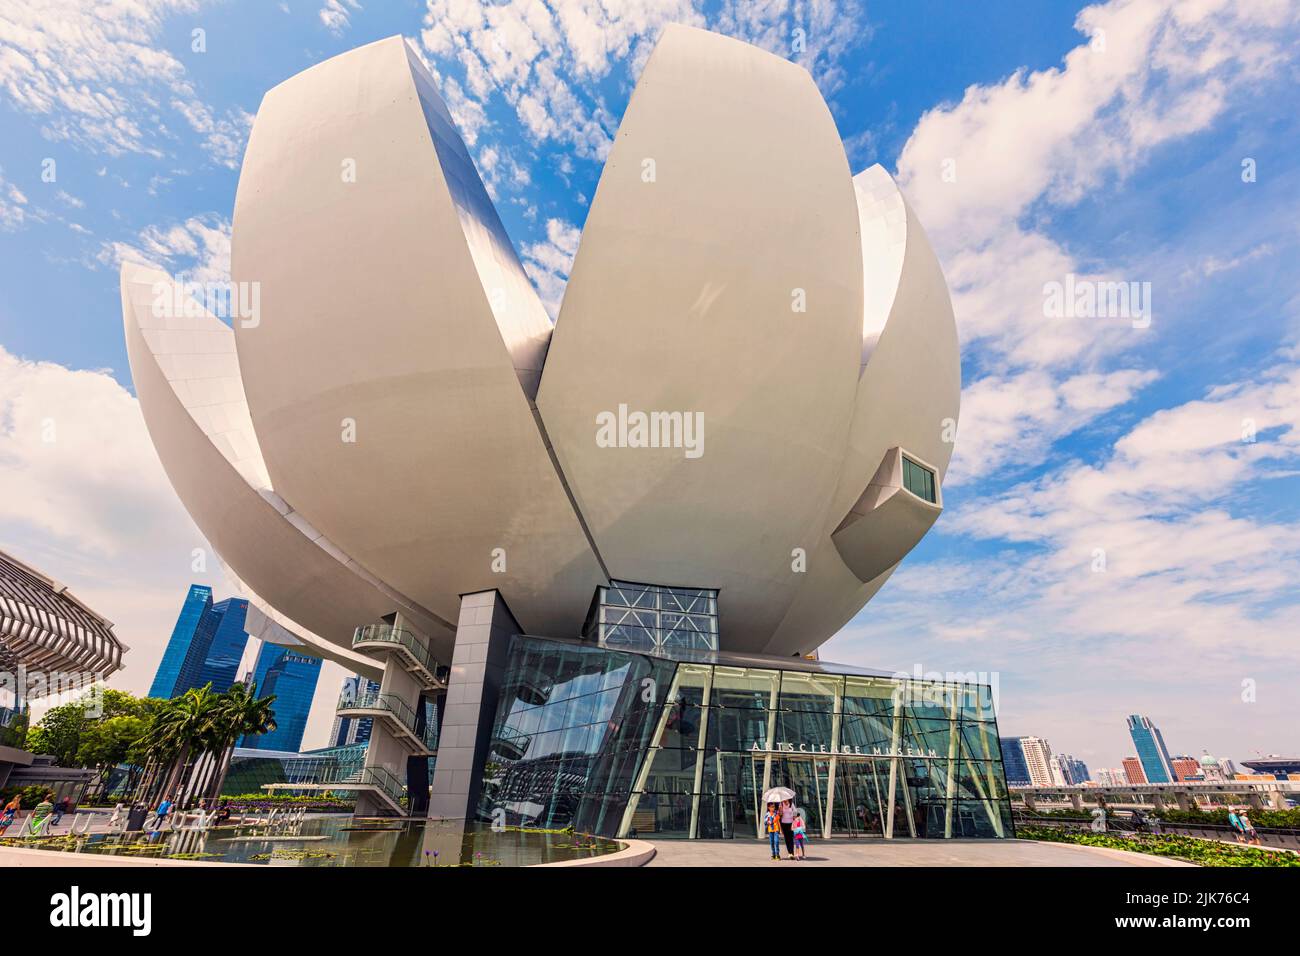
(1151, 750)
(291, 677)
(205, 647)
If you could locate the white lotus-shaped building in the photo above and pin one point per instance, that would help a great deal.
(401, 424)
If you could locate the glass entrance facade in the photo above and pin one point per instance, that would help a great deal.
(627, 743)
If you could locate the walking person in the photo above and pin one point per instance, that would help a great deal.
(787, 826)
(43, 810)
(160, 815)
(59, 808)
(10, 811)
(772, 827)
(800, 836)
(1248, 828)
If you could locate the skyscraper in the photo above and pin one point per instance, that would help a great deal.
(205, 647)
(1151, 750)
(291, 677)
(1013, 762)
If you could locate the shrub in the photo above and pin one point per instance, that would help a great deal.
(1190, 849)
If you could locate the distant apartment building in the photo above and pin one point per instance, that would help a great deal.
(1185, 768)
(1038, 759)
(206, 645)
(1133, 772)
(1112, 777)
(1072, 770)
(1151, 749)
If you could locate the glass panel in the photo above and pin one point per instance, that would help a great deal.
(861, 798)
(814, 692)
(869, 695)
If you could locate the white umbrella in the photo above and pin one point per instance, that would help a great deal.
(777, 794)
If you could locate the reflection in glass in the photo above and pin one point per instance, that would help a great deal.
(628, 743)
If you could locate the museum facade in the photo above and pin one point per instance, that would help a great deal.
(751, 388)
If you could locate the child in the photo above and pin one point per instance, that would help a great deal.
(772, 826)
(800, 835)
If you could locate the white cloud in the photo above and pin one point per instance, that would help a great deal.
(336, 15)
(13, 205)
(84, 498)
(547, 60)
(1014, 419)
(94, 75)
(198, 247)
(548, 263)
(980, 173)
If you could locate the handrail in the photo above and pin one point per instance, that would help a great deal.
(392, 634)
(373, 700)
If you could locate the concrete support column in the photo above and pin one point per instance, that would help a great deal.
(478, 664)
(1158, 801)
(1184, 801)
(1278, 799)
(1255, 800)
(1076, 800)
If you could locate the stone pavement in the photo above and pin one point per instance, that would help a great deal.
(823, 853)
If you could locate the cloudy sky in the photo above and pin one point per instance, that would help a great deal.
(1122, 530)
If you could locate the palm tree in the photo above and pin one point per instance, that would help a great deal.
(179, 728)
(240, 713)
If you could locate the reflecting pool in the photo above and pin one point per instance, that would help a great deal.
(341, 841)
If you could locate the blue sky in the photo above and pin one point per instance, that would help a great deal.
(1106, 142)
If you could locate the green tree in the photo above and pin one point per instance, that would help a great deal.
(59, 732)
(109, 742)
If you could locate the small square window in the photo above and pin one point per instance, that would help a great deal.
(919, 480)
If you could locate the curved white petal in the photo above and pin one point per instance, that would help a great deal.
(186, 375)
(908, 399)
(395, 312)
(719, 275)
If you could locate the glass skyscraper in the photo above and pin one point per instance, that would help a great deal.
(1014, 763)
(205, 647)
(1150, 744)
(291, 677)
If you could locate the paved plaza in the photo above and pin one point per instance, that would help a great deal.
(822, 853)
